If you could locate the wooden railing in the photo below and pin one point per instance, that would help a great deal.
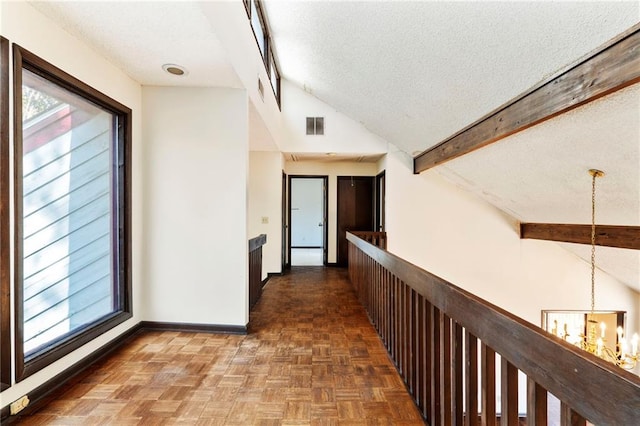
(255, 268)
(378, 239)
(434, 331)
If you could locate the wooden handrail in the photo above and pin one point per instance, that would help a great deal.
(255, 268)
(257, 242)
(423, 320)
(377, 238)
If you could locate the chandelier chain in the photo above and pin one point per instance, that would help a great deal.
(593, 243)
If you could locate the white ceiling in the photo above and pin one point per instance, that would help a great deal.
(139, 37)
(541, 174)
(418, 72)
(415, 73)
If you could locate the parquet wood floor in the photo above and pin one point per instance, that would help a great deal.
(311, 358)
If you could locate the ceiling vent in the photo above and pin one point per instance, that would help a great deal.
(315, 125)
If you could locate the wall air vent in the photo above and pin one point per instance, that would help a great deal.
(315, 125)
(261, 89)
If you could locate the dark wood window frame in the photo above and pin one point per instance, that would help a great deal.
(121, 227)
(265, 33)
(275, 85)
(5, 284)
(268, 58)
(247, 7)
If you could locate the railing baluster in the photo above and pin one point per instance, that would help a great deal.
(414, 343)
(406, 308)
(445, 369)
(422, 322)
(380, 298)
(508, 394)
(390, 312)
(387, 313)
(401, 338)
(568, 417)
(458, 360)
(471, 378)
(488, 366)
(396, 322)
(428, 361)
(373, 305)
(420, 353)
(436, 371)
(536, 404)
(399, 323)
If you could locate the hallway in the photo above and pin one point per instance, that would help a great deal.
(311, 358)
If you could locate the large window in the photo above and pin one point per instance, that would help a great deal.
(72, 212)
(5, 303)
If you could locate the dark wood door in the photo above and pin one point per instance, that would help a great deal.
(355, 210)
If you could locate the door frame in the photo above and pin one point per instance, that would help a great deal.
(283, 231)
(380, 206)
(325, 201)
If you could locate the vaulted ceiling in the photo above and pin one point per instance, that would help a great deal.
(415, 73)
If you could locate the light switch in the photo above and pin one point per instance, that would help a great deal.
(265, 220)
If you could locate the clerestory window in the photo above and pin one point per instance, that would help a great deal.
(260, 29)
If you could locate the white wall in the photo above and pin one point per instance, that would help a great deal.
(333, 170)
(232, 27)
(23, 25)
(461, 238)
(196, 221)
(341, 133)
(468, 242)
(265, 200)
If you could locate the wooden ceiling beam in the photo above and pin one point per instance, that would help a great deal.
(606, 235)
(612, 67)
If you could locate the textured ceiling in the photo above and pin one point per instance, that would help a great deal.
(417, 72)
(541, 174)
(140, 37)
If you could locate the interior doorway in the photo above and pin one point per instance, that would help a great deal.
(308, 220)
(355, 210)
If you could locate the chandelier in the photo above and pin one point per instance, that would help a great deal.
(621, 354)
(624, 352)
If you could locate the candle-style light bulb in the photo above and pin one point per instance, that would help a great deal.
(623, 347)
(634, 344)
(603, 328)
(620, 333)
(599, 345)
